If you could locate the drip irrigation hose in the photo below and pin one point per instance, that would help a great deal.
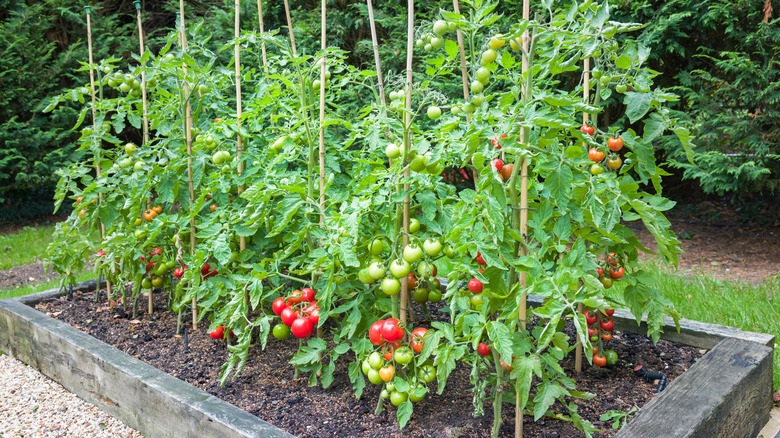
(649, 377)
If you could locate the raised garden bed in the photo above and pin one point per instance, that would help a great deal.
(727, 393)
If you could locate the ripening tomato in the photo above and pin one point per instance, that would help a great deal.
(599, 361)
(614, 163)
(506, 171)
(615, 144)
(606, 336)
(411, 281)
(596, 155)
(498, 164)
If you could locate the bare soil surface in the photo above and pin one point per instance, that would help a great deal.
(267, 386)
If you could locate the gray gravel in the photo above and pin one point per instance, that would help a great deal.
(32, 406)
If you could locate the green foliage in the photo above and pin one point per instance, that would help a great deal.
(722, 59)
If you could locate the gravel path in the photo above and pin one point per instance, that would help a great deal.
(32, 406)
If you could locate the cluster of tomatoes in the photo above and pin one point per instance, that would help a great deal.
(156, 267)
(219, 333)
(505, 170)
(614, 270)
(600, 326)
(475, 285)
(380, 366)
(599, 158)
(299, 313)
(425, 285)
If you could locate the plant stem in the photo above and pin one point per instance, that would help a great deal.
(497, 395)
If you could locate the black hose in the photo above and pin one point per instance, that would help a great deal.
(649, 377)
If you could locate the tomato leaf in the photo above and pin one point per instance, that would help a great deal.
(404, 414)
(546, 394)
(637, 105)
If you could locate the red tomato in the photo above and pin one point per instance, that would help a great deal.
(608, 312)
(607, 324)
(218, 333)
(295, 297)
(417, 338)
(307, 294)
(599, 361)
(411, 281)
(592, 332)
(475, 286)
(483, 349)
(590, 317)
(289, 316)
(616, 273)
(498, 164)
(391, 331)
(590, 130)
(100, 253)
(600, 271)
(278, 306)
(375, 332)
(302, 328)
(480, 260)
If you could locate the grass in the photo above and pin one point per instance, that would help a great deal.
(751, 307)
(40, 287)
(24, 247)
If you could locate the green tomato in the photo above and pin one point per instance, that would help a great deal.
(420, 295)
(425, 269)
(418, 163)
(385, 394)
(403, 355)
(488, 56)
(400, 268)
(146, 283)
(477, 86)
(392, 151)
(440, 27)
(374, 377)
(434, 296)
(432, 247)
(428, 47)
(412, 253)
(437, 42)
(477, 302)
(124, 87)
(130, 148)
(434, 112)
(427, 373)
(281, 331)
(391, 286)
(376, 270)
(375, 361)
(621, 88)
(612, 357)
(377, 247)
(449, 251)
(125, 163)
(478, 99)
(469, 108)
(218, 158)
(390, 386)
(396, 398)
(365, 277)
(415, 398)
(365, 367)
(414, 226)
(483, 75)
(596, 73)
(596, 169)
(139, 165)
(140, 234)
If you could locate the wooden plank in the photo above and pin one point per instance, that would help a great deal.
(726, 394)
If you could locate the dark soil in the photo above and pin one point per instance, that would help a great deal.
(26, 274)
(267, 387)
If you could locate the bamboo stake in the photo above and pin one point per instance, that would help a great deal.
(408, 145)
(188, 136)
(585, 116)
(239, 145)
(323, 69)
(462, 50)
(523, 277)
(94, 116)
(262, 45)
(376, 52)
(289, 25)
(137, 3)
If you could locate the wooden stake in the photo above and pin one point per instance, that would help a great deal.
(262, 45)
(580, 306)
(523, 277)
(188, 137)
(150, 305)
(408, 145)
(323, 70)
(94, 116)
(289, 25)
(376, 52)
(462, 50)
